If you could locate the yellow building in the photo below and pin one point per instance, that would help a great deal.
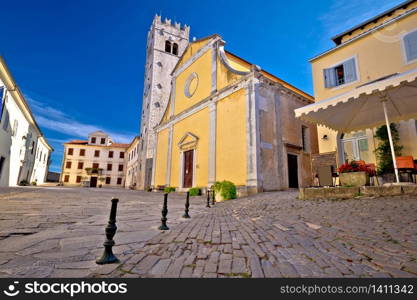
(376, 49)
(227, 119)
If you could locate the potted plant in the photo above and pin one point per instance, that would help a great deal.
(195, 191)
(353, 174)
(224, 190)
(385, 166)
(101, 179)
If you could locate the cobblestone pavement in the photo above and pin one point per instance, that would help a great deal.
(58, 232)
(276, 235)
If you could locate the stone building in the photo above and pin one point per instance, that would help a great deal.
(227, 119)
(95, 162)
(165, 44)
(132, 164)
(24, 151)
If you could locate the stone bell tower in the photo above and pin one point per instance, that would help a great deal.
(166, 43)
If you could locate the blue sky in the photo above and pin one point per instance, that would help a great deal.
(80, 63)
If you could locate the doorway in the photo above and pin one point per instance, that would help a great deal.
(93, 182)
(292, 171)
(188, 168)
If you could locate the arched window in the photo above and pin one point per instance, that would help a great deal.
(175, 49)
(168, 46)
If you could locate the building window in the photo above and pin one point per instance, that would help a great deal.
(70, 151)
(305, 136)
(110, 154)
(119, 180)
(340, 74)
(175, 49)
(82, 152)
(80, 165)
(15, 127)
(122, 155)
(168, 46)
(410, 46)
(103, 141)
(6, 120)
(355, 147)
(96, 153)
(120, 168)
(109, 167)
(2, 160)
(32, 148)
(108, 180)
(66, 178)
(78, 180)
(93, 140)
(68, 165)
(95, 166)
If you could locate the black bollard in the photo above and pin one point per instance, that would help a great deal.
(108, 257)
(164, 214)
(208, 199)
(213, 197)
(187, 205)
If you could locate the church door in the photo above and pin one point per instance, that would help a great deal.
(292, 171)
(188, 168)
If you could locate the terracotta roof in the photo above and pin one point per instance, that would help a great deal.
(77, 142)
(119, 145)
(113, 145)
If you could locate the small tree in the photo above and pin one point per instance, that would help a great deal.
(383, 151)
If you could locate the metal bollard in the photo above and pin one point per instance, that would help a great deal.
(164, 214)
(213, 197)
(187, 205)
(208, 199)
(108, 257)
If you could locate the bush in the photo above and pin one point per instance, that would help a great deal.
(24, 182)
(169, 189)
(195, 192)
(226, 189)
(383, 151)
(34, 183)
(148, 189)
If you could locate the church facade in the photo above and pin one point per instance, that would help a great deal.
(227, 119)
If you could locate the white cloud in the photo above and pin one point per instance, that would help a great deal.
(56, 120)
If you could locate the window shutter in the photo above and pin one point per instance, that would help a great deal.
(410, 44)
(349, 67)
(329, 78)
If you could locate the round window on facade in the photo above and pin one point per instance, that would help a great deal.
(191, 85)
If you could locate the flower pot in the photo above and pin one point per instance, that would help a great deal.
(354, 179)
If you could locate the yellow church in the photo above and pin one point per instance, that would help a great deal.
(227, 119)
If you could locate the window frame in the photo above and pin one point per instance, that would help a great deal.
(404, 50)
(70, 151)
(358, 79)
(82, 152)
(96, 153)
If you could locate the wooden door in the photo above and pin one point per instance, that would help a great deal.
(292, 171)
(188, 168)
(93, 182)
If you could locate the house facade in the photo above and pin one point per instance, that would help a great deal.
(381, 47)
(21, 140)
(226, 119)
(132, 164)
(95, 162)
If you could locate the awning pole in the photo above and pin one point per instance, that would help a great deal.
(394, 161)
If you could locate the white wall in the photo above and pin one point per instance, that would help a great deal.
(40, 168)
(5, 143)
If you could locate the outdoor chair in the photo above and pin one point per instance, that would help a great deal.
(325, 175)
(405, 164)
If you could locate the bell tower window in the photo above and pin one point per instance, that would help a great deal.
(175, 49)
(168, 46)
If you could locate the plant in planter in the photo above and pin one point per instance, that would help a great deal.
(353, 174)
(385, 165)
(195, 192)
(169, 189)
(224, 190)
(24, 182)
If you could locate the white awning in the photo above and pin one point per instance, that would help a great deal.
(361, 108)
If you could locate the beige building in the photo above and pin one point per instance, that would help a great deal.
(132, 164)
(95, 162)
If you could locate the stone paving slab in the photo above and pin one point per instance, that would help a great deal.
(59, 231)
(276, 235)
